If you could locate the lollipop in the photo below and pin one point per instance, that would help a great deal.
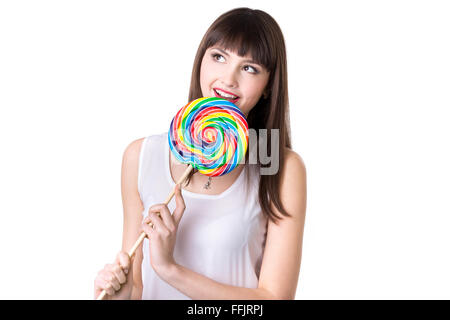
(210, 134)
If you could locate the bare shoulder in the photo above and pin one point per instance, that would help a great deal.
(294, 172)
(130, 167)
(293, 184)
(133, 150)
(294, 162)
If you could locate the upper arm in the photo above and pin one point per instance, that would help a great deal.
(132, 208)
(282, 255)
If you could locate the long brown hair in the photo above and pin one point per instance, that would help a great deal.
(254, 32)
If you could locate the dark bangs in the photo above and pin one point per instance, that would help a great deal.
(244, 34)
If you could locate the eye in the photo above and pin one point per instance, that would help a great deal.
(251, 69)
(218, 57)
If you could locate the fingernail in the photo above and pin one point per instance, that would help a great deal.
(126, 271)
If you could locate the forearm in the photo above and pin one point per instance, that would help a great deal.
(199, 287)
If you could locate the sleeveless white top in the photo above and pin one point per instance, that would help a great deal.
(219, 236)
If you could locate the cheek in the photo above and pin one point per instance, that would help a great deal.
(207, 70)
(206, 77)
(202, 77)
(254, 91)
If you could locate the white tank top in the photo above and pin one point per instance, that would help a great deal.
(219, 236)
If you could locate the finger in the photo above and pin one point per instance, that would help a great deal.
(148, 221)
(111, 277)
(106, 277)
(155, 206)
(148, 228)
(123, 259)
(119, 274)
(165, 216)
(160, 227)
(101, 284)
(109, 289)
(180, 205)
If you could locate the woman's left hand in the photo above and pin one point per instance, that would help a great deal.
(162, 232)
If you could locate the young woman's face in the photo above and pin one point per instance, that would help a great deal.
(238, 79)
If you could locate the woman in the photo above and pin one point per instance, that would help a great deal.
(228, 237)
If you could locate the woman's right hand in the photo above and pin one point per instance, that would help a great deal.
(115, 278)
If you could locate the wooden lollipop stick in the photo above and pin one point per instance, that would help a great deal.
(143, 234)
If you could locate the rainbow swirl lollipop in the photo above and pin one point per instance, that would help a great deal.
(211, 134)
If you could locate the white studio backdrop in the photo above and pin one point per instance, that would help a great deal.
(369, 95)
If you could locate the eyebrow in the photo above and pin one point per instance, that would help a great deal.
(246, 60)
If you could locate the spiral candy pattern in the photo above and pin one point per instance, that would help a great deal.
(211, 134)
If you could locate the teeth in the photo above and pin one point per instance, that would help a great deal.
(225, 95)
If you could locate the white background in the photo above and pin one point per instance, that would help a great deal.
(369, 94)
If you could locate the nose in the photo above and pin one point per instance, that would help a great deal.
(229, 78)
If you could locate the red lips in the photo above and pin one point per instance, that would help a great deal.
(230, 93)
